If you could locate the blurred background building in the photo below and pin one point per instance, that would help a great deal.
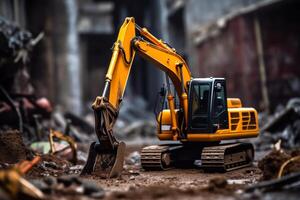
(255, 44)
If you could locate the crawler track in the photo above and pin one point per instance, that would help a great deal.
(158, 157)
(227, 157)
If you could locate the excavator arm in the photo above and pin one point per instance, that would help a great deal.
(155, 50)
(108, 151)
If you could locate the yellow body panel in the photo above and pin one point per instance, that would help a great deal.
(243, 123)
(234, 103)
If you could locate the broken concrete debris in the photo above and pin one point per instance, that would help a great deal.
(280, 172)
(133, 158)
(289, 182)
(134, 121)
(284, 125)
(20, 108)
(25, 122)
(63, 122)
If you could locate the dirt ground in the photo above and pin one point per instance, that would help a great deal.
(55, 177)
(136, 183)
(59, 179)
(176, 178)
(178, 183)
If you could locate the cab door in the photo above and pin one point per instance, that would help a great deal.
(199, 106)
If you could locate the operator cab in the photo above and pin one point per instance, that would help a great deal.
(208, 105)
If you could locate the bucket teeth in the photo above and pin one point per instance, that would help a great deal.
(117, 168)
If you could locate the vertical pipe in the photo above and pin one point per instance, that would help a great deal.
(111, 68)
(183, 96)
(106, 89)
(17, 12)
(261, 62)
(74, 103)
(170, 98)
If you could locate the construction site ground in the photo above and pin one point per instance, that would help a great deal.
(135, 183)
(60, 179)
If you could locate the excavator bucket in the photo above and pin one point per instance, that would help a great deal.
(105, 163)
(106, 157)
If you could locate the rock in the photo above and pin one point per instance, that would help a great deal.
(92, 189)
(134, 158)
(50, 180)
(69, 180)
(76, 169)
(52, 165)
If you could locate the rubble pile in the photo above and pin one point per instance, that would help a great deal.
(15, 46)
(50, 166)
(271, 163)
(20, 108)
(26, 122)
(284, 125)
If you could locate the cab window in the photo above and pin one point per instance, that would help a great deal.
(200, 105)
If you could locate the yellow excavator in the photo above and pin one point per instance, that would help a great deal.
(203, 118)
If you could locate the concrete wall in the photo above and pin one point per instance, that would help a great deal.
(55, 65)
(199, 13)
(233, 52)
(73, 77)
(233, 55)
